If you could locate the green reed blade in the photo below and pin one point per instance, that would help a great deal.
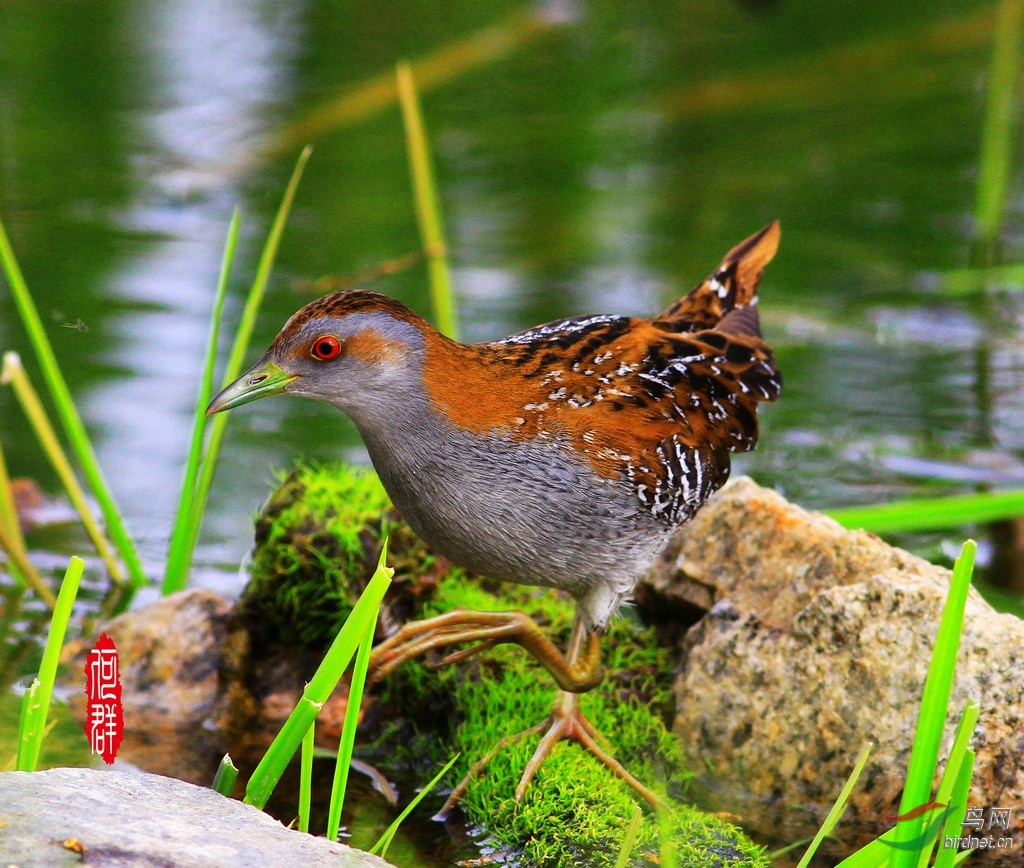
(381, 847)
(36, 709)
(428, 207)
(227, 774)
(932, 513)
(958, 750)
(348, 730)
(185, 534)
(67, 413)
(959, 794)
(13, 542)
(324, 680)
(954, 786)
(667, 851)
(240, 346)
(874, 854)
(8, 509)
(629, 837)
(880, 852)
(29, 728)
(998, 134)
(838, 808)
(956, 282)
(13, 374)
(306, 776)
(20, 565)
(934, 705)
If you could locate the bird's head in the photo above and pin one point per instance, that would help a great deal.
(355, 350)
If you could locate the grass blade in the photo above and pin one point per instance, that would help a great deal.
(836, 813)
(947, 856)
(348, 729)
(9, 512)
(227, 774)
(997, 140)
(932, 513)
(327, 675)
(18, 561)
(954, 787)
(306, 776)
(872, 855)
(241, 343)
(957, 752)
(67, 413)
(37, 701)
(934, 703)
(13, 374)
(30, 728)
(667, 840)
(185, 535)
(13, 543)
(428, 208)
(958, 282)
(630, 836)
(381, 847)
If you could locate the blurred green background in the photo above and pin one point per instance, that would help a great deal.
(591, 157)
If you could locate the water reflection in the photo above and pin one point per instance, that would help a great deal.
(214, 74)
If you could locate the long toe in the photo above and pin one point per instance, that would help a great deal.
(567, 722)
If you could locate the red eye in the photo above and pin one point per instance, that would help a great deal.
(326, 348)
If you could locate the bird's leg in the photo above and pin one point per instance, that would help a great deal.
(566, 721)
(577, 673)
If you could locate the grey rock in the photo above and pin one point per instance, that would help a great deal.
(124, 818)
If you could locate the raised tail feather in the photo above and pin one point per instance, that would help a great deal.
(727, 299)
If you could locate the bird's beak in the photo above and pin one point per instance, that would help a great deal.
(262, 379)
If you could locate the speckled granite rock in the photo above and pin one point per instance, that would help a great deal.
(123, 818)
(817, 641)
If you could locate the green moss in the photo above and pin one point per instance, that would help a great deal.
(315, 534)
(575, 811)
(315, 542)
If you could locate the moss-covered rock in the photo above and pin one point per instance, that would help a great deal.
(575, 812)
(317, 541)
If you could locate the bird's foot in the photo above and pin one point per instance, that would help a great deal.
(480, 631)
(566, 721)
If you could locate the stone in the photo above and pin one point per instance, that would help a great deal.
(70, 816)
(180, 705)
(818, 640)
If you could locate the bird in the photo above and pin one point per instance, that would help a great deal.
(564, 456)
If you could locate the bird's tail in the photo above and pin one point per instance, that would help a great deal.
(727, 299)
